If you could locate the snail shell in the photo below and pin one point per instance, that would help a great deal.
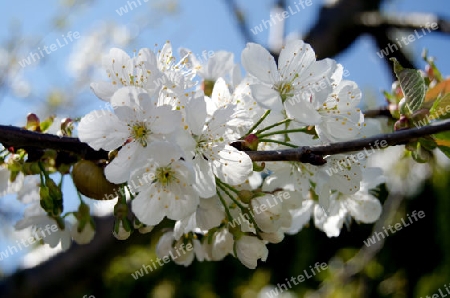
(90, 180)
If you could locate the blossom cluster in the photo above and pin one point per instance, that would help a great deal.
(187, 124)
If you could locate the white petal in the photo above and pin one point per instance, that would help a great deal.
(219, 65)
(364, 208)
(104, 90)
(267, 97)
(335, 219)
(164, 153)
(127, 96)
(220, 96)
(148, 208)
(209, 214)
(164, 120)
(295, 57)
(259, 63)
(319, 80)
(222, 244)
(205, 183)
(196, 114)
(234, 166)
(302, 111)
(346, 175)
(183, 202)
(249, 249)
(337, 128)
(102, 130)
(217, 126)
(165, 56)
(147, 55)
(118, 171)
(300, 217)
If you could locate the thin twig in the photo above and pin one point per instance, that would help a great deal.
(381, 112)
(376, 142)
(241, 21)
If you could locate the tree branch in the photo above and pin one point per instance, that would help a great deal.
(20, 138)
(335, 28)
(412, 21)
(381, 112)
(310, 153)
(16, 137)
(241, 21)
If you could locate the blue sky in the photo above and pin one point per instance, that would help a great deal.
(197, 25)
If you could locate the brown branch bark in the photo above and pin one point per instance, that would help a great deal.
(20, 138)
(16, 137)
(381, 112)
(391, 139)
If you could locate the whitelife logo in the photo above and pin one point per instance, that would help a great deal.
(398, 226)
(263, 208)
(140, 273)
(281, 16)
(35, 237)
(355, 157)
(40, 53)
(392, 47)
(301, 278)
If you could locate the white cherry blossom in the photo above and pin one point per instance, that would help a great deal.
(135, 123)
(166, 186)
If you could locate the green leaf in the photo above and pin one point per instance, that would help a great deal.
(47, 123)
(441, 107)
(420, 154)
(428, 143)
(413, 86)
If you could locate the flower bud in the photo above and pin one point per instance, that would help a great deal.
(46, 200)
(55, 191)
(249, 250)
(267, 213)
(122, 229)
(222, 244)
(251, 141)
(120, 210)
(245, 195)
(33, 122)
(145, 229)
(66, 127)
(273, 237)
(164, 245)
(83, 235)
(183, 252)
(142, 228)
(31, 168)
(402, 123)
(15, 163)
